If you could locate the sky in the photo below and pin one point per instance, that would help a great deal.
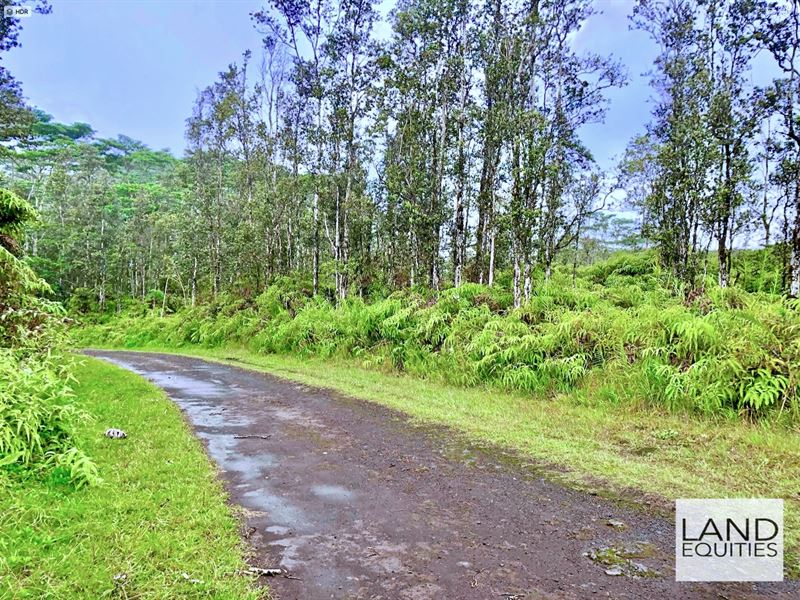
(130, 67)
(135, 67)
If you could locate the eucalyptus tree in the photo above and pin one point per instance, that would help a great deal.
(351, 54)
(210, 134)
(728, 34)
(257, 232)
(278, 132)
(684, 152)
(303, 27)
(426, 92)
(772, 194)
(492, 44)
(780, 33)
(465, 58)
(552, 92)
(579, 83)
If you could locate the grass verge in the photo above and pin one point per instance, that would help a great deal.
(619, 450)
(159, 526)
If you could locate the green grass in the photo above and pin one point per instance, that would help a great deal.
(161, 512)
(629, 451)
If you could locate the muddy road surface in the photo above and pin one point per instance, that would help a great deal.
(353, 501)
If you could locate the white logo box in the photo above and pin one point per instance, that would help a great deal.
(728, 539)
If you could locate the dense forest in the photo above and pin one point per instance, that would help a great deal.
(448, 153)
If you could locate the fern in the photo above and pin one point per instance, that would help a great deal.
(622, 321)
(762, 389)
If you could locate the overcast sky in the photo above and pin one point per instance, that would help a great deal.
(135, 67)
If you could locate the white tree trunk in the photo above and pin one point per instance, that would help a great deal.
(527, 279)
(491, 262)
(517, 290)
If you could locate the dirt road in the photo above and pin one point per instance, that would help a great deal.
(353, 501)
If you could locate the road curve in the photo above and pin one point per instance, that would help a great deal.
(353, 501)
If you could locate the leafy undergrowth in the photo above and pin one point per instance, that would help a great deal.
(37, 413)
(158, 527)
(623, 451)
(622, 326)
(38, 418)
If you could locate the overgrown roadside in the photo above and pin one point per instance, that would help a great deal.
(651, 456)
(159, 526)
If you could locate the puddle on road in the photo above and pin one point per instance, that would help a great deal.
(222, 448)
(320, 577)
(332, 492)
(277, 530)
(280, 511)
(202, 414)
(186, 385)
(171, 380)
(290, 550)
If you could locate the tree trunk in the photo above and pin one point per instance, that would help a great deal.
(794, 288)
(724, 223)
(164, 300)
(491, 156)
(517, 275)
(194, 283)
(461, 165)
(491, 259)
(315, 260)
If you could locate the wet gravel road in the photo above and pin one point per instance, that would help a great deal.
(353, 501)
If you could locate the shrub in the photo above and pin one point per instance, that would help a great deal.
(38, 416)
(82, 301)
(37, 411)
